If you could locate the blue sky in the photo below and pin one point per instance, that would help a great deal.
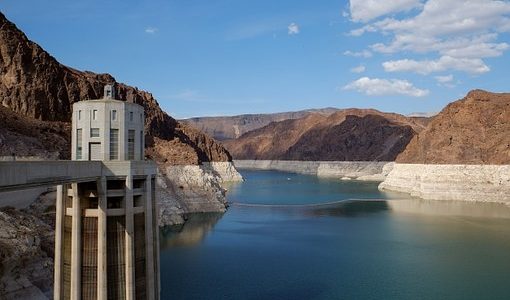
(230, 57)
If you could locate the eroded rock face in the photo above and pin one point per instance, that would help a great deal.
(26, 251)
(473, 130)
(347, 135)
(477, 183)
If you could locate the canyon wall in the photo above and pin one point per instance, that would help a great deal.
(346, 135)
(485, 183)
(358, 170)
(463, 153)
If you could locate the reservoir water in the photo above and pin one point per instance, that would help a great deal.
(289, 236)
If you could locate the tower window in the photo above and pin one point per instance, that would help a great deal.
(78, 144)
(130, 116)
(142, 145)
(131, 145)
(94, 132)
(114, 115)
(94, 114)
(79, 115)
(114, 144)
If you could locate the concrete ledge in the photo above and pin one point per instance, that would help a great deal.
(17, 175)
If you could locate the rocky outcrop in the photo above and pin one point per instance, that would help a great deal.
(26, 250)
(25, 137)
(224, 169)
(185, 189)
(463, 154)
(483, 183)
(473, 130)
(346, 170)
(226, 128)
(347, 135)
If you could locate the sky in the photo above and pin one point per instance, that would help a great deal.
(228, 57)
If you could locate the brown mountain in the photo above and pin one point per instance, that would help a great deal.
(350, 134)
(473, 130)
(35, 85)
(225, 128)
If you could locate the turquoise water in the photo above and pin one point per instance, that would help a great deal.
(275, 242)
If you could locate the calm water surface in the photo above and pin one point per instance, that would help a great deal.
(277, 242)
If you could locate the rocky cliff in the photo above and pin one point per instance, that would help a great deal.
(473, 130)
(232, 127)
(346, 135)
(463, 154)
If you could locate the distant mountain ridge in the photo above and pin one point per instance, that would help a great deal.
(346, 135)
(231, 127)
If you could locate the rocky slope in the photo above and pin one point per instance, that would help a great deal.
(26, 250)
(473, 130)
(232, 127)
(350, 134)
(463, 154)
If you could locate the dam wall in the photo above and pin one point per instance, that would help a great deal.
(485, 183)
(357, 170)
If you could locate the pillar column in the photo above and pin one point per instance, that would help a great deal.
(155, 210)
(130, 250)
(59, 233)
(76, 246)
(101, 239)
(149, 240)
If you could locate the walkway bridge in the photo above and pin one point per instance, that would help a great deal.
(16, 175)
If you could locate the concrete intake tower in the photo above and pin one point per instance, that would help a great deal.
(106, 235)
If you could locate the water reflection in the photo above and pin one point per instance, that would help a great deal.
(450, 208)
(190, 233)
(350, 208)
(436, 208)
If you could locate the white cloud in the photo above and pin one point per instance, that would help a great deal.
(151, 30)
(424, 67)
(453, 29)
(293, 29)
(358, 69)
(364, 54)
(378, 87)
(366, 10)
(444, 79)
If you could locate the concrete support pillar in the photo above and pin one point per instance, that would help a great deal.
(76, 246)
(156, 259)
(130, 249)
(59, 233)
(101, 240)
(149, 240)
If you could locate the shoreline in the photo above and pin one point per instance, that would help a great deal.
(344, 170)
(458, 182)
